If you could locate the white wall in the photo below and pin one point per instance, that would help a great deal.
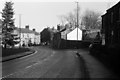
(73, 34)
(32, 36)
(37, 39)
(25, 37)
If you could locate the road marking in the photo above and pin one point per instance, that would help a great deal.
(20, 70)
(20, 58)
(28, 66)
(39, 62)
(53, 52)
(8, 75)
(28, 55)
(45, 59)
(34, 64)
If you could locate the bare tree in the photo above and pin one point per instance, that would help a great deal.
(91, 20)
(62, 19)
(70, 18)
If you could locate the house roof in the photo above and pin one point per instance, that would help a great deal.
(117, 4)
(69, 30)
(24, 30)
(36, 33)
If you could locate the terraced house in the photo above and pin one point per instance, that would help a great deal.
(111, 26)
(27, 36)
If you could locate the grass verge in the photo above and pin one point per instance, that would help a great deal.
(13, 51)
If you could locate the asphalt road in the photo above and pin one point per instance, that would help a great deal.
(46, 63)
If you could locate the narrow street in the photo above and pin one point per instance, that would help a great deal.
(64, 39)
(48, 63)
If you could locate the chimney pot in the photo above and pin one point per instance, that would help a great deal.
(27, 26)
(33, 29)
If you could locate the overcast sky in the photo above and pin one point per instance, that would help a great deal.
(39, 14)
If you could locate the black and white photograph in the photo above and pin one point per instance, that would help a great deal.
(59, 39)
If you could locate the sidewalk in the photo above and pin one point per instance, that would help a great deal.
(16, 56)
(95, 68)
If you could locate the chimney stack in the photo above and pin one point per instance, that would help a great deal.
(27, 26)
(58, 27)
(34, 29)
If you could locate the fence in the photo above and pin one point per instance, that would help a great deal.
(70, 44)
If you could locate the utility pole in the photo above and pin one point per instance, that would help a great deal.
(20, 29)
(77, 53)
(77, 19)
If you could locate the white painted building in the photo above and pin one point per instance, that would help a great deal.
(37, 38)
(71, 34)
(27, 36)
(75, 34)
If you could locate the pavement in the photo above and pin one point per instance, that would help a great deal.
(3, 59)
(95, 68)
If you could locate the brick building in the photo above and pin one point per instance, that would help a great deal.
(111, 26)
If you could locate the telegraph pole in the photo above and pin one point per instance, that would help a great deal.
(77, 53)
(77, 15)
(20, 29)
(77, 19)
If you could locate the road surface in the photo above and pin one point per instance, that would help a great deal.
(47, 63)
